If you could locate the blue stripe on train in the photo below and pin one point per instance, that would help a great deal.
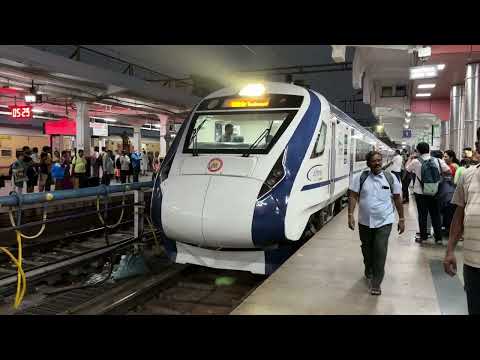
(268, 225)
(325, 183)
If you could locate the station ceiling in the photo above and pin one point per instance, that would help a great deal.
(222, 63)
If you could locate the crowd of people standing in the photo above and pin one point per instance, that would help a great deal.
(437, 210)
(47, 169)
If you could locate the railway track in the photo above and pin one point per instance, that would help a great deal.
(173, 289)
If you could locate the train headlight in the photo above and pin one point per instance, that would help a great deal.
(274, 177)
(271, 181)
(278, 172)
(253, 90)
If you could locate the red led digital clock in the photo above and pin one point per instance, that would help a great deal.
(21, 112)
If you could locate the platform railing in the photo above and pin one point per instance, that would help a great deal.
(15, 199)
(15, 204)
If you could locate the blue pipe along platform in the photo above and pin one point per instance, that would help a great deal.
(16, 199)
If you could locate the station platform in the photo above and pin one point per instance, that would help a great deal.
(325, 277)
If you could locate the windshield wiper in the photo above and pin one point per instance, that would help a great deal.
(263, 135)
(194, 138)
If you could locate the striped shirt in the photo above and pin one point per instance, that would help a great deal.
(467, 195)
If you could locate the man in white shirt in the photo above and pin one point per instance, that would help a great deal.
(426, 204)
(374, 191)
(396, 167)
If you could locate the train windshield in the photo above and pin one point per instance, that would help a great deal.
(234, 132)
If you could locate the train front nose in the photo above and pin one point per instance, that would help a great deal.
(209, 210)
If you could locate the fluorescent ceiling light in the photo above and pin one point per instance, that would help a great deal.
(157, 126)
(71, 77)
(423, 68)
(110, 120)
(405, 126)
(404, 143)
(37, 111)
(408, 113)
(252, 90)
(441, 66)
(426, 86)
(425, 75)
(44, 117)
(407, 120)
(423, 95)
(423, 72)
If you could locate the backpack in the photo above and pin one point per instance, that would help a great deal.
(430, 176)
(388, 176)
(118, 164)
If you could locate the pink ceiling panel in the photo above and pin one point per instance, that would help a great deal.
(441, 108)
(438, 107)
(475, 48)
(451, 49)
(420, 106)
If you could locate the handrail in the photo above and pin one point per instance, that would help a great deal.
(49, 196)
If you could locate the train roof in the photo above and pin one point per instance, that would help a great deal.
(344, 117)
(293, 89)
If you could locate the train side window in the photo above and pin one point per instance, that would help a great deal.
(319, 148)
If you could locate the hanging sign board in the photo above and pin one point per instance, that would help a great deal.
(99, 129)
(407, 133)
(60, 127)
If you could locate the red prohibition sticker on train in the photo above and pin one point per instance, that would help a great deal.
(214, 165)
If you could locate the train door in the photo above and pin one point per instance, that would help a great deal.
(352, 152)
(333, 156)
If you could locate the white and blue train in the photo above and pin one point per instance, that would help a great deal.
(252, 172)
